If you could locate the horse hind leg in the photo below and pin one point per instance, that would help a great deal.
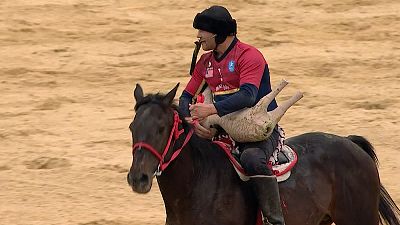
(354, 217)
(356, 206)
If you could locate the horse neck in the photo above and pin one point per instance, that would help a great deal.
(182, 173)
(200, 183)
(199, 166)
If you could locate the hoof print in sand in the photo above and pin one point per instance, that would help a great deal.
(116, 168)
(103, 222)
(4, 167)
(47, 163)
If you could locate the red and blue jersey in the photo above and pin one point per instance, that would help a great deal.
(241, 69)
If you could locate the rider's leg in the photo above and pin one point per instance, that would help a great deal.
(254, 159)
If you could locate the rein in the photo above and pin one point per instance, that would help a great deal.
(174, 135)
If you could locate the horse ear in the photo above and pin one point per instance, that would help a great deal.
(169, 98)
(138, 93)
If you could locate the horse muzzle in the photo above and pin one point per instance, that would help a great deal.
(140, 182)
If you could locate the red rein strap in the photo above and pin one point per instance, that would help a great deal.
(175, 134)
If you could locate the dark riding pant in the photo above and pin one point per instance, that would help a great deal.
(255, 155)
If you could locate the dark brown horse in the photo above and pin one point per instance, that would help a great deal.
(336, 178)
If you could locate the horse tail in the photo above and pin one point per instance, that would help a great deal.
(390, 213)
(388, 209)
(365, 145)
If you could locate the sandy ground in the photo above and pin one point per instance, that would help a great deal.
(68, 69)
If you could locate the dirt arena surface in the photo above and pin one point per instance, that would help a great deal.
(68, 69)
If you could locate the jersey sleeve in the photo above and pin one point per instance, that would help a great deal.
(245, 97)
(197, 77)
(251, 67)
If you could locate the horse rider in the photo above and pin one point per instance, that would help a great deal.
(238, 77)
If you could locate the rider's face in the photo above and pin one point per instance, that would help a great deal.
(207, 40)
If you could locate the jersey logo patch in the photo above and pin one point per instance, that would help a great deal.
(209, 71)
(231, 66)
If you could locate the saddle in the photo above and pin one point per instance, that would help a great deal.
(283, 159)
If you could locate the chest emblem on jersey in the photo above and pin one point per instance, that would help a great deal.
(231, 66)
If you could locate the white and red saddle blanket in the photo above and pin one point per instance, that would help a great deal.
(281, 162)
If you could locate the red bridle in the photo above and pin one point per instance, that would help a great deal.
(174, 135)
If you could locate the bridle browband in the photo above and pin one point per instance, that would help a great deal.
(174, 135)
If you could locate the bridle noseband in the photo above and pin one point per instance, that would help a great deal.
(174, 135)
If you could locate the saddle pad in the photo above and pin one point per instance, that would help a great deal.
(280, 170)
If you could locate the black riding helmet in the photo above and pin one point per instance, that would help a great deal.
(216, 20)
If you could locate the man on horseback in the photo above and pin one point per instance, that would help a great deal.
(238, 76)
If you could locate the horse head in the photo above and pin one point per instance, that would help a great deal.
(151, 131)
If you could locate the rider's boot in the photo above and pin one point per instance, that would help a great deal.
(267, 193)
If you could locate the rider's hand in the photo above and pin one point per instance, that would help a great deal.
(189, 120)
(203, 132)
(200, 130)
(200, 110)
